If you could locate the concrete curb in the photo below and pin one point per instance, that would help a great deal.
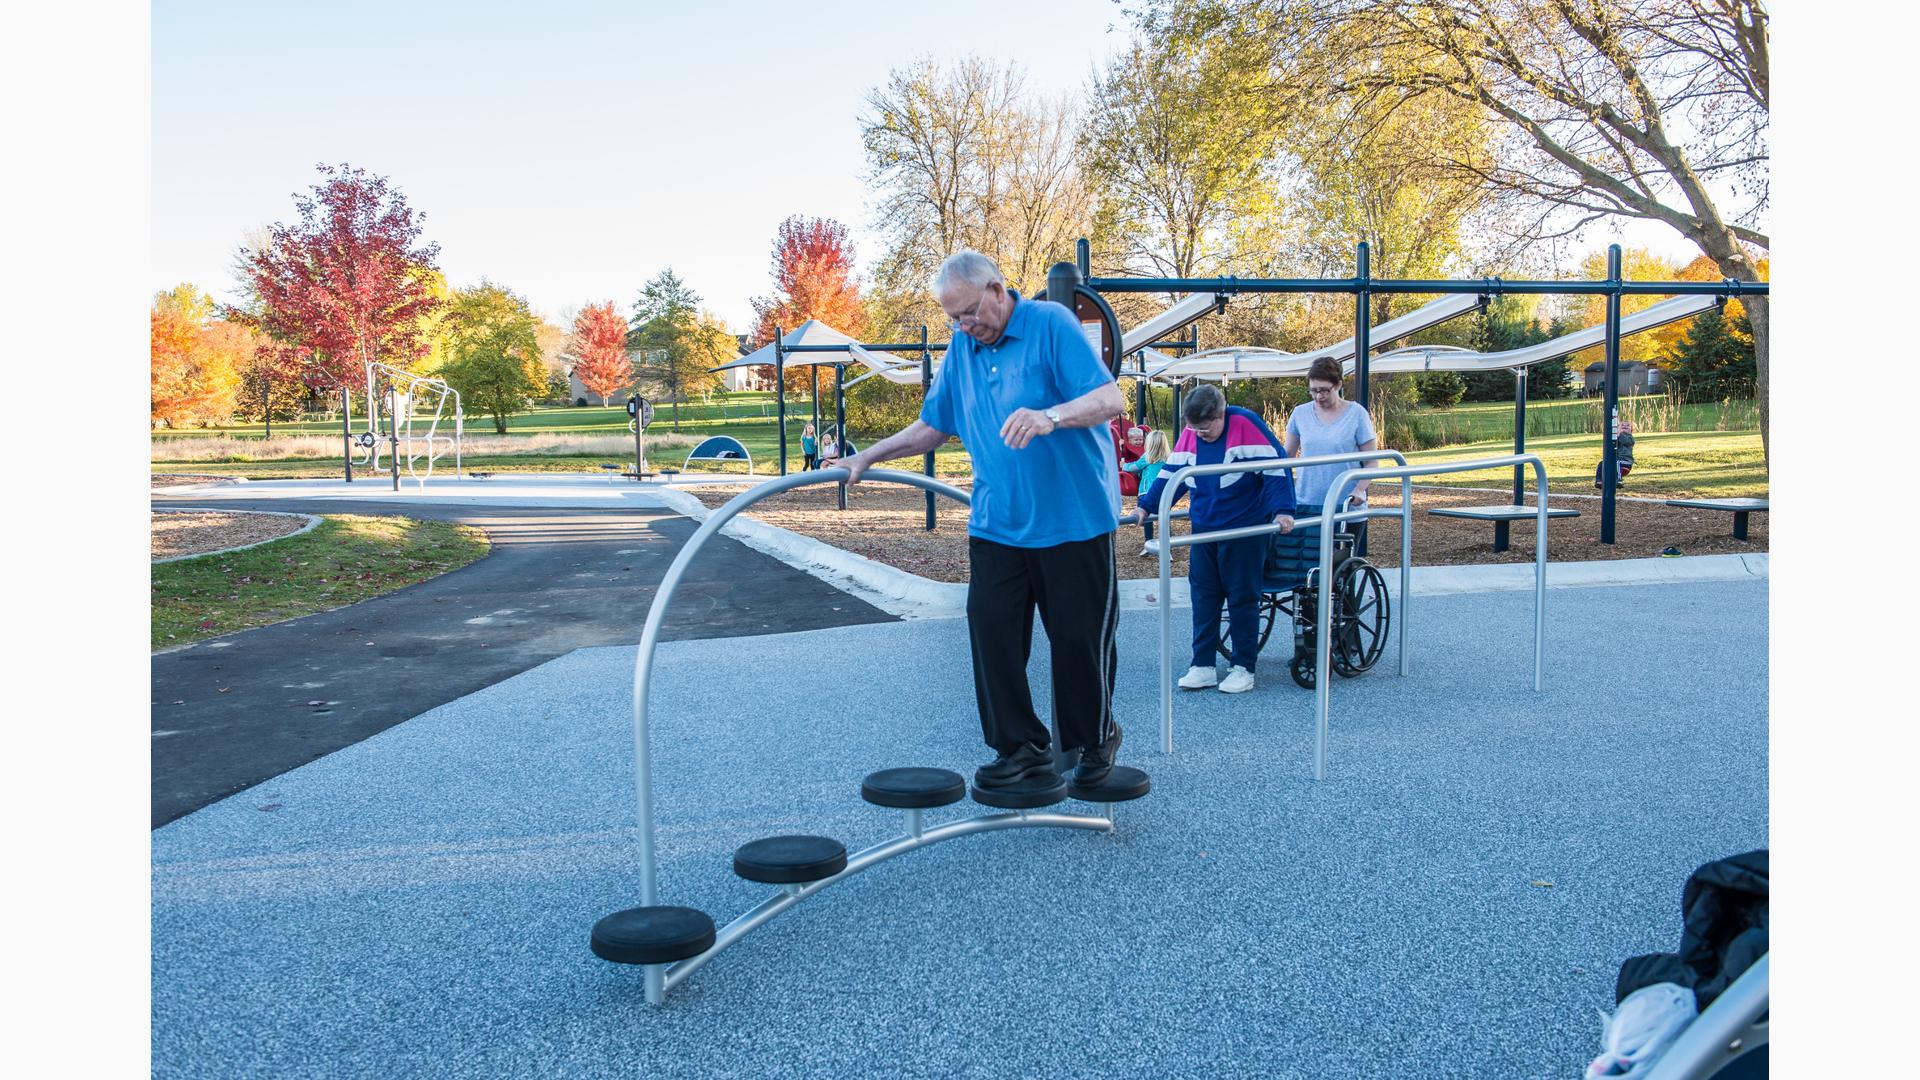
(313, 522)
(894, 591)
(910, 596)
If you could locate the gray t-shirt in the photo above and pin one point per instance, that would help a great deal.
(1344, 435)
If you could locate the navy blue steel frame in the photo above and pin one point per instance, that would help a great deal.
(1363, 286)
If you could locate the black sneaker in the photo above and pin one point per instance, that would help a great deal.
(1097, 761)
(1027, 762)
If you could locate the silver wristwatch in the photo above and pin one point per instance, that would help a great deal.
(1053, 414)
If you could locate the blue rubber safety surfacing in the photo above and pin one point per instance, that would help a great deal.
(1458, 895)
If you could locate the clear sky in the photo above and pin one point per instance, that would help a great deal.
(568, 150)
(571, 150)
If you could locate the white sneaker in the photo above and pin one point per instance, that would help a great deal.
(1199, 678)
(1238, 681)
(1147, 552)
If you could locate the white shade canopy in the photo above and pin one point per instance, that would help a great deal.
(1246, 362)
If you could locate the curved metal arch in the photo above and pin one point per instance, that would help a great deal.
(662, 977)
(663, 598)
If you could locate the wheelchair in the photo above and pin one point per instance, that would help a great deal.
(1362, 611)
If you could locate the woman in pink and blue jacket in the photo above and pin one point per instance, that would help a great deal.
(1228, 570)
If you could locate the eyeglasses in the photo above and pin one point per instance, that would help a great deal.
(972, 317)
(1316, 391)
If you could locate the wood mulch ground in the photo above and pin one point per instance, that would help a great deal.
(173, 480)
(191, 532)
(887, 523)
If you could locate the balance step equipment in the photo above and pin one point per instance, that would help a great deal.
(1027, 795)
(652, 935)
(913, 788)
(1123, 784)
(790, 860)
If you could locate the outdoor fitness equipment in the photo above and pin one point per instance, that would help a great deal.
(1362, 611)
(720, 448)
(1322, 575)
(670, 942)
(417, 405)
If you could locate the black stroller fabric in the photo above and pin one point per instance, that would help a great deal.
(1725, 931)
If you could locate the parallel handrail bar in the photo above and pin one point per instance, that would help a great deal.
(650, 639)
(1323, 650)
(1167, 495)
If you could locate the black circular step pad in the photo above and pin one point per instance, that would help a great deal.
(1044, 791)
(652, 935)
(1121, 785)
(913, 788)
(789, 860)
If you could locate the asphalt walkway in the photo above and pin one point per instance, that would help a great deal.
(231, 712)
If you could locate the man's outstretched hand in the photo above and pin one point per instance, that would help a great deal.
(856, 466)
(1024, 426)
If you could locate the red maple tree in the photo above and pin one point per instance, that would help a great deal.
(813, 278)
(600, 346)
(350, 282)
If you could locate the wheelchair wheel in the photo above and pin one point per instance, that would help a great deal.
(1301, 668)
(1263, 616)
(1360, 618)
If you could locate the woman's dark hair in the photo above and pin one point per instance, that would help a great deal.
(1326, 369)
(1204, 402)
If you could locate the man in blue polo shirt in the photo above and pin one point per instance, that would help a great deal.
(1025, 393)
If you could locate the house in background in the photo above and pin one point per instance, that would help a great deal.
(1635, 378)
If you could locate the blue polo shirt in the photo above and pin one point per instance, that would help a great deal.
(1060, 488)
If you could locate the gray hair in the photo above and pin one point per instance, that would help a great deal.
(969, 266)
(1204, 402)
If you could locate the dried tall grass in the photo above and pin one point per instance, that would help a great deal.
(322, 447)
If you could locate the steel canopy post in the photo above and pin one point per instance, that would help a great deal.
(1362, 302)
(1610, 397)
(779, 395)
(840, 424)
(926, 388)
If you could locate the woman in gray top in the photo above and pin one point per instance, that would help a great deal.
(1330, 425)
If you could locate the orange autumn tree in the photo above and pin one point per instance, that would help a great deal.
(195, 359)
(600, 351)
(813, 278)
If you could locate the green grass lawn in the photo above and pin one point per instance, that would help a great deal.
(735, 409)
(1481, 421)
(1677, 464)
(345, 560)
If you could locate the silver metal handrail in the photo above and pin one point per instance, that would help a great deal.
(1323, 649)
(662, 977)
(1324, 567)
(1168, 542)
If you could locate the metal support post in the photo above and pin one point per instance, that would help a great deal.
(926, 388)
(346, 430)
(1610, 397)
(393, 435)
(840, 423)
(1519, 432)
(780, 395)
(1362, 322)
